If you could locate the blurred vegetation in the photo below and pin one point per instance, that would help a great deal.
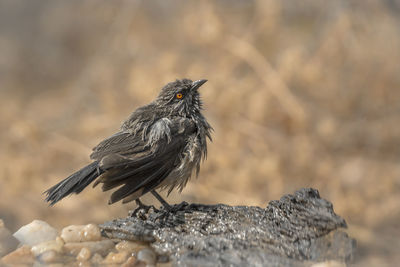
(300, 93)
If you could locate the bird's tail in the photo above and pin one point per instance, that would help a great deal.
(75, 183)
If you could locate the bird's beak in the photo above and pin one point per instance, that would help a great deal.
(197, 84)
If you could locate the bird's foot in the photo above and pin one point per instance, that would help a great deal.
(173, 208)
(170, 215)
(142, 209)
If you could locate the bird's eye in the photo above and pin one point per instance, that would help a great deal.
(179, 95)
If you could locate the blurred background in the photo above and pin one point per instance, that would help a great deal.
(300, 94)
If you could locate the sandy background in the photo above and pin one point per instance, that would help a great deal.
(300, 93)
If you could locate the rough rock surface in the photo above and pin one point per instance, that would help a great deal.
(298, 229)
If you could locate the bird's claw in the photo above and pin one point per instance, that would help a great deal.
(179, 207)
(142, 209)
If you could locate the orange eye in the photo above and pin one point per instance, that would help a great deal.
(179, 95)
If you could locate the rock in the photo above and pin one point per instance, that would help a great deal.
(130, 246)
(81, 233)
(147, 255)
(101, 247)
(7, 242)
(55, 245)
(116, 258)
(84, 254)
(22, 255)
(297, 230)
(36, 232)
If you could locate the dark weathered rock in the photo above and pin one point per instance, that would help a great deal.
(296, 230)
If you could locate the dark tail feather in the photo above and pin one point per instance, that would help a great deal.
(74, 183)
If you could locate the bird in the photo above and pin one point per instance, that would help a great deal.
(159, 147)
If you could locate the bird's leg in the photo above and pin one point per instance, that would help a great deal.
(168, 207)
(162, 201)
(142, 206)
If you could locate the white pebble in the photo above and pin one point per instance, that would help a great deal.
(116, 258)
(55, 245)
(36, 232)
(84, 254)
(329, 264)
(130, 246)
(101, 247)
(81, 233)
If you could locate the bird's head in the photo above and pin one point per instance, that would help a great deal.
(181, 97)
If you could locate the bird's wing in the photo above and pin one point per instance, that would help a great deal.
(122, 143)
(141, 162)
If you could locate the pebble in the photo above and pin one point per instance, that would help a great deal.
(147, 255)
(116, 258)
(22, 255)
(329, 264)
(36, 232)
(54, 245)
(130, 246)
(130, 262)
(84, 254)
(41, 245)
(81, 233)
(7, 242)
(97, 259)
(81, 264)
(50, 256)
(142, 264)
(101, 247)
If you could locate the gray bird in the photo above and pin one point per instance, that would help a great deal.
(159, 146)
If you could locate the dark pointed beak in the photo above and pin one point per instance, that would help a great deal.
(197, 84)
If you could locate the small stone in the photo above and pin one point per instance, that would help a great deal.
(97, 259)
(55, 245)
(130, 262)
(81, 233)
(142, 264)
(116, 258)
(22, 255)
(102, 247)
(82, 264)
(329, 264)
(36, 232)
(7, 242)
(84, 255)
(130, 246)
(50, 256)
(147, 255)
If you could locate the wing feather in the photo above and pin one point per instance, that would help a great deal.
(139, 162)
